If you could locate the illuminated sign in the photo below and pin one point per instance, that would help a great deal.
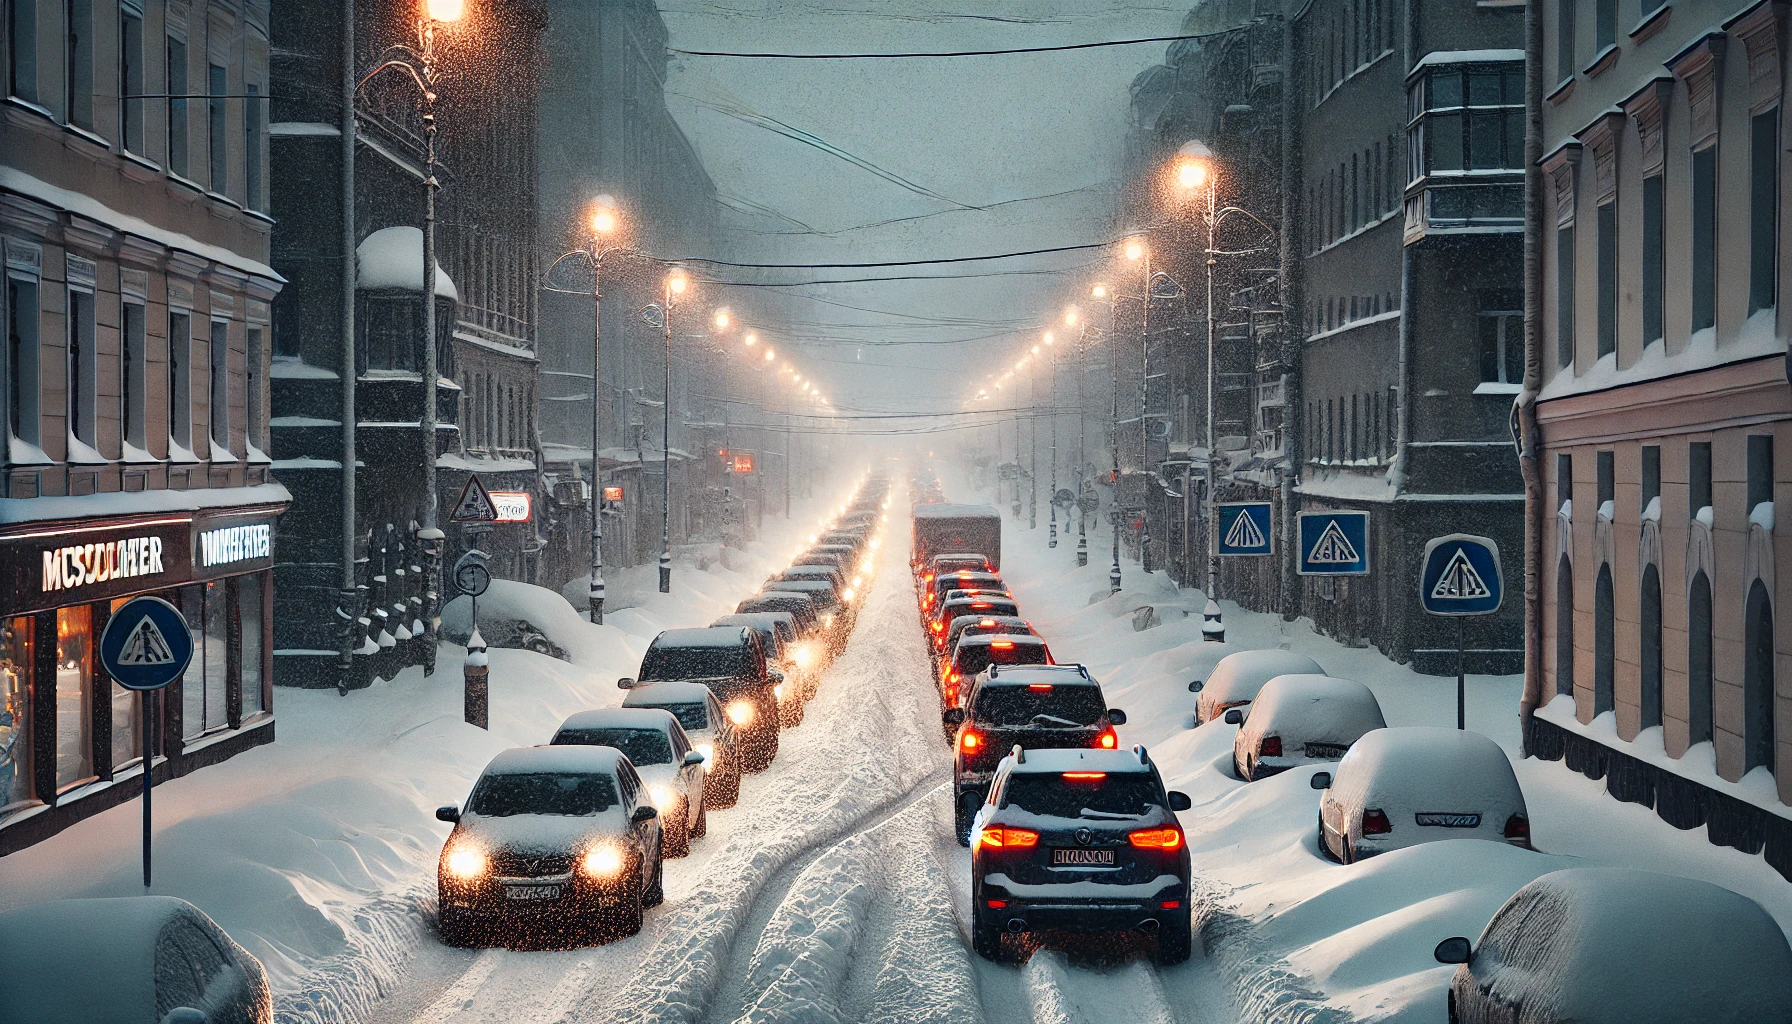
(512, 506)
(235, 544)
(78, 565)
(743, 462)
(612, 494)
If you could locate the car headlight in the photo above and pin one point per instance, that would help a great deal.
(740, 712)
(708, 750)
(466, 862)
(858, 580)
(778, 691)
(828, 619)
(605, 861)
(661, 796)
(805, 655)
(848, 595)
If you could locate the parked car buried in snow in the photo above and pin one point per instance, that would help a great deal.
(662, 754)
(730, 661)
(551, 838)
(1298, 720)
(1602, 945)
(709, 730)
(1234, 682)
(1401, 787)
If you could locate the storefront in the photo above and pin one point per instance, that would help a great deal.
(68, 734)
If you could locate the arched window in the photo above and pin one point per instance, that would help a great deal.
(1757, 679)
(1565, 626)
(1698, 659)
(1649, 654)
(1605, 627)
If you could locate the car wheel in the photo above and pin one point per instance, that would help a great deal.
(759, 751)
(1174, 941)
(722, 788)
(701, 829)
(986, 938)
(962, 815)
(675, 838)
(656, 893)
(1238, 770)
(624, 919)
(456, 928)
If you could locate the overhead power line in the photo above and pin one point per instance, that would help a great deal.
(896, 263)
(901, 55)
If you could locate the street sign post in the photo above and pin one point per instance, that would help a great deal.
(1245, 529)
(146, 646)
(1461, 579)
(472, 577)
(1333, 543)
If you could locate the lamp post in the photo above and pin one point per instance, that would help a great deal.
(419, 63)
(1052, 402)
(1033, 447)
(1138, 251)
(1101, 291)
(1082, 424)
(1195, 172)
(675, 285)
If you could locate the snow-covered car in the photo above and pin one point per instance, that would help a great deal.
(1234, 682)
(975, 625)
(1400, 787)
(709, 730)
(1035, 706)
(976, 653)
(138, 958)
(551, 837)
(1081, 841)
(662, 754)
(1601, 945)
(934, 590)
(835, 614)
(1301, 719)
(795, 658)
(797, 606)
(730, 661)
(941, 615)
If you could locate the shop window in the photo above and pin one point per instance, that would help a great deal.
(220, 386)
(134, 374)
(74, 695)
(192, 683)
(1698, 659)
(1757, 680)
(127, 721)
(1704, 238)
(216, 141)
(22, 353)
(78, 61)
(130, 75)
(21, 32)
(15, 713)
(83, 372)
(1649, 654)
(1653, 257)
(249, 612)
(1605, 628)
(1764, 221)
(176, 83)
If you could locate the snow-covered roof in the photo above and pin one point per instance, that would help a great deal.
(1312, 709)
(758, 620)
(982, 639)
(571, 758)
(1466, 57)
(1079, 759)
(392, 258)
(621, 718)
(1057, 675)
(1239, 676)
(124, 503)
(662, 694)
(955, 511)
(706, 636)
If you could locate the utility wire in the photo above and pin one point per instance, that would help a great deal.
(938, 53)
(895, 263)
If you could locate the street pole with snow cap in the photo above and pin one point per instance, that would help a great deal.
(675, 285)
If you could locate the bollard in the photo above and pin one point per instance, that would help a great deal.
(477, 670)
(1211, 627)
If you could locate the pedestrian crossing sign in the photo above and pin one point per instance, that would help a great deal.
(1333, 543)
(1461, 576)
(146, 644)
(1245, 529)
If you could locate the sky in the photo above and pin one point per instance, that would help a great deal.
(933, 144)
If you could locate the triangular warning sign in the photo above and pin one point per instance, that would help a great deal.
(475, 504)
(1333, 548)
(1460, 581)
(1244, 533)
(145, 646)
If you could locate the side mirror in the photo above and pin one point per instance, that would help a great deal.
(625, 683)
(693, 757)
(1321, 780)
(449, 813)
(1452, 951)
(1116, 716)
(184, 1015)
(1234, 717)
(953, 717)
(776, 675)
(1180, 801)
(645, 812)
(1195, 687)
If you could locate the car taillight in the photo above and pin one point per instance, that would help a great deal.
(1107, 740)
(1518, 829)
(1007, 838)
(1376, 823)
(1002, 645)
(936, 626)
(1156, 838)
(970, 741)
(1272, 747)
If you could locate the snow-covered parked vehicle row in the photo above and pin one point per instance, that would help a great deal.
(1301, 719)
(1400, 787)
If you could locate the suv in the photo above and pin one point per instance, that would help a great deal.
(1082, 841)
(1036, 706)
(730, 660)
(973, 654)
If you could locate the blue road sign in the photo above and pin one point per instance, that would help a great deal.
(146, 644)
(1333, 543)
(1245, 528)
(1461, 576)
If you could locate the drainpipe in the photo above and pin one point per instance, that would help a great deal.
(1293, 426)
(1529, 462)
(349, 597)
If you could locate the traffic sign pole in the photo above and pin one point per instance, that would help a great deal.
(1461, 685)
(145, 646)
(1461, 578)
(148, 709)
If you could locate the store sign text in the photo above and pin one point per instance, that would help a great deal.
(235, 544)
(81, 564)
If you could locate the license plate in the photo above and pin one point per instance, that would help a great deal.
(532, 892)
(1076, 857)
(1330, 751)
(1449, 820)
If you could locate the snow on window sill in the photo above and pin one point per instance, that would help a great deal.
(136, 455)
(218, 453)
(291, 368)
(180, 454)
(257, 456)
(24, 453)
(1494, 387)
(80, 453)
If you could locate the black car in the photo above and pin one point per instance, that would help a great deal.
(798, 605)
(1036, 706)
(730, 660)
(1079, 841)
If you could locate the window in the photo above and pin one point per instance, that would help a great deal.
(252, 190)
(21, 33)
(22, 351)
(1565, 295)
(1704, 238)
(1605, 471)
(134, 373)
(1565, 626)
(78, 60)
(16, 661)
(127, 721)
(254, 383)
(180, 392)
(1698, 476)
(1502, 338)
(1760, 469)
(217, 143)
(1605, 24)
(1698, 659)
(390, 326)
(1565, 40)
(220, 387)
(1606, 242)
(83, 373)
(1653, 258)
(177, 106)
(1757, 680)
(204, 707)
(1605, 629)
(1764, 221)
(74, 689)
(1651, 474)
(249, 604)
(130, 75)
(1649, 650)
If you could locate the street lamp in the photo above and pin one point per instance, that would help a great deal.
(1196, 172)
(675, 286)
(1101, 291)
(1051, 496)
(1138, 252)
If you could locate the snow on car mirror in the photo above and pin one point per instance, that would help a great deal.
(448, 813)
(1195, 687)
(693, 757)
(1234, 717)
(625, 683)
(1180, 801)
(1452, 951)
(1321, 780)
(1116, 716)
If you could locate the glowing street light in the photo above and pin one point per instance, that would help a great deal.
(1135, 249)
(770, 355)
(723, 319)
(446, 11)
(752, 339)
(604, 218)
(1194, 166)
(1100, 291)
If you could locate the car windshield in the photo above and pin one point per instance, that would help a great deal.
(1099, 795)
(691, 716)
(1061, 707)
(974, 658)
(643, 746)
(662, 663)
(499, 796)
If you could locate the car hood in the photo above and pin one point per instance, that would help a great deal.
(659, 774)
(542, 833)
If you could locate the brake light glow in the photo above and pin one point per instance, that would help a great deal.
(1002, 645)
(1156, 838)
(936, 626)
(981, 604)
(1039, 687)
(1272, 747)
(970, 741)
(1085, 775)
(927, 578)
(996, 904)
(986, 623)
(1171, 904)
(1376, 823)
(1001, 837)
(1108, 740)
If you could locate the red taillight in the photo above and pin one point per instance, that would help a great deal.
(998, 836)
(980, 604)
(996, 904)
(937, 626)
(1156, 838)
(970, 741)
(1039, 687)
(1002, 645)
(1272, 747)
(1171, 904)
(1518, 829)
(1376, 823)
(1108, 740)
(986, 623)
(1086, 775)
(927, 578)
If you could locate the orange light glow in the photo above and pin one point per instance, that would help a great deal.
(999, 836)
(1085, 775)
(1039, 687)
(1156, 838)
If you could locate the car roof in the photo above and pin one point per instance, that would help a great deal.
(1023, 675)
(705, 636)
(563, 758)
(1421, 763)
(799, 586)
(1310, 708)
(1000, 620)
(1239, 676)
(622, 718)
(815, 567)
(941, 510)
(676, 692)
(982, 639)
(757, 620)
(1077, 759)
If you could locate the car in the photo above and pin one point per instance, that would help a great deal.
(934, 590)
(975, 625)
(662, 754)
(709, 730)
(1234, 682)
(795, 658)
(954, 561)
(551, 837)
(1301, 719)
(976, 605)
(1404, 786)
(1036, 706)
(1605, 945)
(831, 573)
(1080, 841)
(973, 654)
(730, 661)
(835, 613)
(798, 606)
(129, 958)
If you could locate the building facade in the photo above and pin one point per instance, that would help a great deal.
(133, 218)
(1663, 408)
